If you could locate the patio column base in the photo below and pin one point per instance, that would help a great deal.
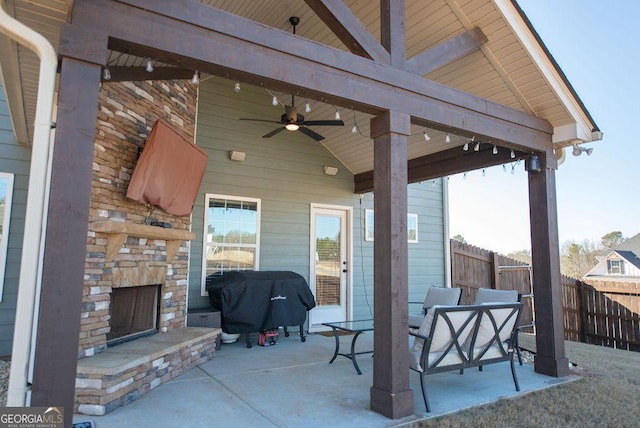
(393, 405)
(556, 367)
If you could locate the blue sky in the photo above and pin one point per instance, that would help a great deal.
(595, 43)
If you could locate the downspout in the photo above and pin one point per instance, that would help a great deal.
(447, 239)
(35, 218)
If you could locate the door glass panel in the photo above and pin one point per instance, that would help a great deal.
(328, 263)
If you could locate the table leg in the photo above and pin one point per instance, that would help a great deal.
(353, 352)
(335, 353)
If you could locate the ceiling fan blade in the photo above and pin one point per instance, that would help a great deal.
(311, 133)
(324, 123)
(259, 120)
(272, 133)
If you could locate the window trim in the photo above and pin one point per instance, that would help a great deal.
(368, 226)
(6, 224)
(207, 198)
(620, 269)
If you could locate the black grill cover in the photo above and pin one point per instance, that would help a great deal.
(252, 301)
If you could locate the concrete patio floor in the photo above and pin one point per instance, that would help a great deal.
(291, 384)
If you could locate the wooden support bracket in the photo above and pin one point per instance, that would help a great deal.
(117, 234)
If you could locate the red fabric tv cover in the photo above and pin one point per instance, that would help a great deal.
(169, 171)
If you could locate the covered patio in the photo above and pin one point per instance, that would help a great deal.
(292, 384)
(471, 72)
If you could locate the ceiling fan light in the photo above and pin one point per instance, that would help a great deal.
(292, 126)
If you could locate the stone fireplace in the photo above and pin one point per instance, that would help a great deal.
(135, 272)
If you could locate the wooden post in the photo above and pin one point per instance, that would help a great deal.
(547, 285)
(390, 394)
(56, 352)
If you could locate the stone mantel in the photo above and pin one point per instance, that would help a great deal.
(117, 233)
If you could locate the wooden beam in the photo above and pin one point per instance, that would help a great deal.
(133, 74)
(58, 330)
(446, 52)
(225, 44)
(442, 164)
(349, 29)
(390, 394)
(393, 31)
(550, 357)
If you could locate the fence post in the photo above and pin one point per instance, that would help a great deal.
(495, 270)
(582, 311)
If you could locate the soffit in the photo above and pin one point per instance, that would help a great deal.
(501, 70)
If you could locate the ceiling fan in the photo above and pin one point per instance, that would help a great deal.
(293, 121)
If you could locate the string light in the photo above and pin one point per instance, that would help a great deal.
(466, 146)
(476, 147)
(426, 136)
(504, 167)
(337, 114)
(106, 74)
(354, 129)
(447, 138)
(495, 149)
(196, 78)
(512, 155)
(236, 87)
(484, 172)
(274, 101)
(149, 65)
(307, 106)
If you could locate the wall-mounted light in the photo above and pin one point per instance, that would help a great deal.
(237, 156)
(330, 170)
(577, 150)
(533, 165)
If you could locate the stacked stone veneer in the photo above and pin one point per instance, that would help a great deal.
(127, 112)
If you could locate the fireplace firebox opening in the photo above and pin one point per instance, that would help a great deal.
(135, 313)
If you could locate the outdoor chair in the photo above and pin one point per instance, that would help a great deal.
(435, 296)
(489, 295)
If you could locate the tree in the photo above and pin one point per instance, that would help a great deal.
(521, 255)
(459, 238)
(576, 259)
(612, 239)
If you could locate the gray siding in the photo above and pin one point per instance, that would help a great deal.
(14, 158)
(286, 173)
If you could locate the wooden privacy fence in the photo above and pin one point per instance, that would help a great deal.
(603, 313)
(598, 312)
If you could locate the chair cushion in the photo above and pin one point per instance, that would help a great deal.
(442, 296)
(488, 295)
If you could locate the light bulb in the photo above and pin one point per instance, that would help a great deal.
(447, 138)
(337, 115)
(512, 155)
(106, 74)
(476, 147)
(354, 129)
(464, 176)
(274, 101)
(466, 146)
(196, 78)
(495, 149)
(292, 126)
(484, 172)
(236, 87)
(307, 106)
(426, 136)
(504, 167)
(149, 65)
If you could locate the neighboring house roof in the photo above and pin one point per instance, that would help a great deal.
(510, 66)
(629, 251)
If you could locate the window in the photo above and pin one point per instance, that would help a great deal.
(231, 235)
(412, 227)
(6, 192)
(615, 267)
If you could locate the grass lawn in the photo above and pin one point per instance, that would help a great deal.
(607, 395)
